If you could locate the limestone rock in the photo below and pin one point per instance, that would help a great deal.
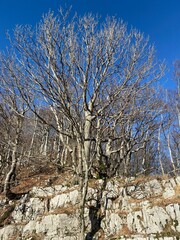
(47, 191)
(154, 188)
(64, 199)
(130, 212)
(9, 231)
(113, 224)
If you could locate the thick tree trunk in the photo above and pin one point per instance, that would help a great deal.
(85, 160)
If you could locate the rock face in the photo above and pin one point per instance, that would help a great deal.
(127, 209)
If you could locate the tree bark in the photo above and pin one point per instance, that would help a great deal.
(11, 173)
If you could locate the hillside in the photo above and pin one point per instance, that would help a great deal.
(121, 208)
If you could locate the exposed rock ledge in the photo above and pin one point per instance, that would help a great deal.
(129, 210)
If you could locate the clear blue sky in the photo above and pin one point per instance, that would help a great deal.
(160, 19)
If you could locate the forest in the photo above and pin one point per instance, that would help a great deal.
(88, 96)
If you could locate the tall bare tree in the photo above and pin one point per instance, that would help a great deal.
(13, 110)
(96, 79)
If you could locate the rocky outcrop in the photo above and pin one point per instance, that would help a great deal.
(123, 209)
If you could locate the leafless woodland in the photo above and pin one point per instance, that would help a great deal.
(86, 95)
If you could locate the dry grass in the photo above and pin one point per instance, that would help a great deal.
(144, 179)
(155, 201)
(69, 210)
(93, 183)
(65, 178)
(26, 185)
(137, 201)
(125, 231)
(177, 190)
(161, 202)
(121, 212)
(26, 180)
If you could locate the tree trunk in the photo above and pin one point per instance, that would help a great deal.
(170, 154)
(85, 159)
(32, 139)
(159, 150)
(44, 145)
(11, 173)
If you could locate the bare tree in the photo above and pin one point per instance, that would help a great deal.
(95, 78)
(14, 111)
